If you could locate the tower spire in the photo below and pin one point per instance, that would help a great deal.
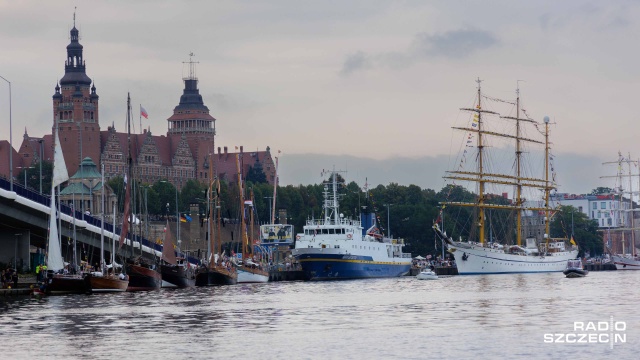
(74, 15)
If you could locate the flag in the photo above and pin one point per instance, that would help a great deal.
(573, 242)
(183, 219)
(143, 112)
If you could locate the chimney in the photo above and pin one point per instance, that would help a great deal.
(218, 149)
(505, 195)
(240, 149)
(225, 149)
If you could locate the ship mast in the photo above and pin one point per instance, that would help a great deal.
(518, 172)
(242, 223)
(547, 189)
(480, 169)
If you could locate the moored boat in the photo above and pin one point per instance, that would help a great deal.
(143, 276)
(626, 262)
(427, 274)
(97, 282)
(575, 269)
(481, 253)
(58, 284)
(175, 271)
(335, 248)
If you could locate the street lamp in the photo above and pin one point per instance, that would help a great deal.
(177, 214)
(41, 142)
(388, 223)
(10, 138)
(25, 168)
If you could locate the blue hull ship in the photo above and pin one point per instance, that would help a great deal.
(335, 248)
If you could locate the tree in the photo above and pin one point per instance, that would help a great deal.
(585, 231)
(601, 191)
(256, 175)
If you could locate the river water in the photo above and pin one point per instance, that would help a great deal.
(490, 316)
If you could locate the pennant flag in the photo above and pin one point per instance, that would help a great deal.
(143, 112)
(573, 242)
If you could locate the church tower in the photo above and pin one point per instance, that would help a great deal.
(191, 122)
(75, 109)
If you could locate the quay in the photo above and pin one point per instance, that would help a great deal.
(439, 270)
(600, 267)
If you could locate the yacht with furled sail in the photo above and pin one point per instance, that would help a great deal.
(216, 269)
(106, 279)
(176, 272)
(57, 280)
(143, 276)
(252, 270)
(624, 260)
(336, 247)
(477, 255)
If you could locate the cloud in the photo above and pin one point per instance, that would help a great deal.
(453, 44)
(355, 62)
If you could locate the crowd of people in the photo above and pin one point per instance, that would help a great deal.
(9, 278)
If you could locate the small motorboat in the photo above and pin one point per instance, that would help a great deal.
(575, 269)
(427, 274)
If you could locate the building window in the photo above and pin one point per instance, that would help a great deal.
(595, 206)
(603, 205)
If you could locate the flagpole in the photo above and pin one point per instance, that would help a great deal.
(140, 115)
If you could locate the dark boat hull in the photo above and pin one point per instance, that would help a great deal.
(575, 273)
(142, 278)
(58, 284)
(213, 277)
(109, 283)
(178, 276)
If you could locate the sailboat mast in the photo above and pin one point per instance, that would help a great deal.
(547, 188)
(210, 241)
(129, 163)
(275, 187)
(480, 169)
(102, 220)
(518, 172)
(242, 223)
(252, 208)
(633, 240)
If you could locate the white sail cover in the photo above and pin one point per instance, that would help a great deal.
(60, 173)
(54, 257)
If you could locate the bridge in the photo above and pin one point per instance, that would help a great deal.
(24, 222)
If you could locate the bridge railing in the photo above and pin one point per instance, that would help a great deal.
(45, 200)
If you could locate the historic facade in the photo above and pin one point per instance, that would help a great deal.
(180, 155)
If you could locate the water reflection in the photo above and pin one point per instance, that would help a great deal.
(496, 315)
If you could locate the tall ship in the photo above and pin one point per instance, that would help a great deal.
(336, 247)
(479, 215)
(627, 259)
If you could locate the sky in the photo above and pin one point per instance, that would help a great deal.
(370, 87)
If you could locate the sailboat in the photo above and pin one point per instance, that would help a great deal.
(176, 272)
(251, 270)
(57, 280)
(216, 269)
(105, 280)
(143, 275)
(625, 261)
(478, 257)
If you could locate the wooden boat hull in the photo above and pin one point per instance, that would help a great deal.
(216, 277)
(142, 278)
(177, 276)
(58, 284)
(109, 283)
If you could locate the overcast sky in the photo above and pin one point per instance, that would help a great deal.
(366, 84)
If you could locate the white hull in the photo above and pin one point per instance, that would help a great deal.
(166, 284)
(248, 277)
(427, 275)
(623, 263)
(481, 260)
